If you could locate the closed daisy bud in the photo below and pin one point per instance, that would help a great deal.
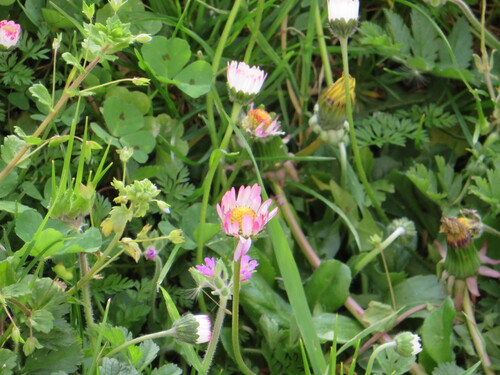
(193, 329)
(244, 82)
(343, 16)
(408, 344)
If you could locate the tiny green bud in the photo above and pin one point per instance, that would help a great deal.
(88, 10)
(143, 38)
(125, 154)
(141, 81)
(16, 335)
(31, 345)
(176, 236)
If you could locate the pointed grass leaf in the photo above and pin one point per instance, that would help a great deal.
(437, 332)
(7, 274)
(195, 79)
(121, 118)
(56, 19)
(166, 57)
(329, 285)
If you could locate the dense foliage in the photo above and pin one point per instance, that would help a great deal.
(120, 135)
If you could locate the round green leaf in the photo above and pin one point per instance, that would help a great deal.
(195, 79)
(347, 327)
(437, 330)
(166, 57)
(329, 285)
(121, 117)
(27, 224)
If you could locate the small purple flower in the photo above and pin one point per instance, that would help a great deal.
(248, 266)
(207, 269)
(151, 253)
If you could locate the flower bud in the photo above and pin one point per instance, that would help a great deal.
(143, 38)
(10, 33)
(408, 344)
(193, 329)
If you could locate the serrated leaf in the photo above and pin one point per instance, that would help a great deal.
(425, 181)
(425, 43)
(111, 366)
(8, 360)
(72, 60)
(169, 369)
(42, 320)
(15, 290)
(460, 39)
(400, 32)
(40, 92)
(45, 362)
(149, 350)
(11, 146)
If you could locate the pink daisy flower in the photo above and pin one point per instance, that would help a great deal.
(245, 79)
(260, 123)
(244, 215)
(9, 34)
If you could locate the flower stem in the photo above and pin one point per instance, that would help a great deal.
(51, 116)
(322, 47)
(235, 322)
(207, 184)
(212, 345)
(137, 340)
(375, 353)
(87, 300)
(378, 249)
(352, 134)
(474, 331)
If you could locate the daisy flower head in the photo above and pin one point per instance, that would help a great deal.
(244, 82)
(244, 214)
(10, 33)
(261, 124)
(343, 16)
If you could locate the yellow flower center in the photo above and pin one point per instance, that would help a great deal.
(238, 213)
(456, 231)
(9, 28)
(258, 116)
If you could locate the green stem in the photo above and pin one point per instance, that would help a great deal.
(380, 348)
(352, 133)
(51, 116)
(207, 184)
(97, 265)
(235, 322)
(322, 48)
(254, 29)
(212, 345)
(378, 249)
(151, 336)
(215, 69)
(474, 331)
(87, 300)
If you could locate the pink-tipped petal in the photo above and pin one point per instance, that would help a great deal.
(472, 286)
(242, 248)
(490, 272)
